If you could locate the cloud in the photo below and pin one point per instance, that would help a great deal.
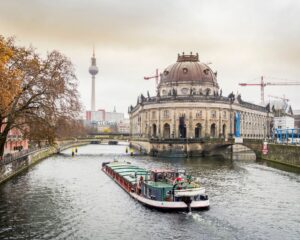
(243, 39)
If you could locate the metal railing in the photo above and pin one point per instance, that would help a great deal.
(190, 140)
(18, 155)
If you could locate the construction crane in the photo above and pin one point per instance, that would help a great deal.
(263, 84)
(156, 76)
(282, 98)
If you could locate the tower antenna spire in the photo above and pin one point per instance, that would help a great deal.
(93, 70)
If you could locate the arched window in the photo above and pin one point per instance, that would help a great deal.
(198, 130)
(182, 126)
(199, 114)
(153, 115)
(213, 114)
(207, 91)
(166, 114)
(166, 132)
(213, 130)
(154, 130)
(224, 130)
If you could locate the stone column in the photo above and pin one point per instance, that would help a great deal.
(158, 124)
(206, 123)
(220, 122)
(174, 131)
(190, 134)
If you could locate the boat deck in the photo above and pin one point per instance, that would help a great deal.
(128, 172)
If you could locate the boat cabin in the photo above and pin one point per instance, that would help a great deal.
(160, 185)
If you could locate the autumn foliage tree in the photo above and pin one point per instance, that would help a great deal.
(35, 93)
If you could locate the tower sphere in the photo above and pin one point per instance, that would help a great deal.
(93, 70)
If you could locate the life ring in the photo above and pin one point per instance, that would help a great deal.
(177, 180)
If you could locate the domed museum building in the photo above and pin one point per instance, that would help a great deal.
(189, 105)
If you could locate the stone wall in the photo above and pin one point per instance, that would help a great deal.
(179, 149)
(286, 154)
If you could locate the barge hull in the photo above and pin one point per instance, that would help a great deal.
(161, 205)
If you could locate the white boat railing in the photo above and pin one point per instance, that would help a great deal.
(189, 192)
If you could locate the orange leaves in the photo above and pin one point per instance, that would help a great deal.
(35, 92)
(9, 76)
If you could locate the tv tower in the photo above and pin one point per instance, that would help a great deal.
(93, 70)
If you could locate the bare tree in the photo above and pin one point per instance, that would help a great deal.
(47, 92)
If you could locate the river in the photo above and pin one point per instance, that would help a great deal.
(71, 198)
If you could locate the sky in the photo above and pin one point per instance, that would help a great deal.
(242, 39)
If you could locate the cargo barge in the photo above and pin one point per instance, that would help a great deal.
(159, 188)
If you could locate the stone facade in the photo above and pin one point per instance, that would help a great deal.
(189, 104)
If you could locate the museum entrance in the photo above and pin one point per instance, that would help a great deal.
(198, 130)
(182, 127)
(154, 130)
(213, 130)
(166, 132)
(224, 130)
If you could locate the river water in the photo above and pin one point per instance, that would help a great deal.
(71, 198)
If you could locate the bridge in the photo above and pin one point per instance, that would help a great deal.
(279, 153)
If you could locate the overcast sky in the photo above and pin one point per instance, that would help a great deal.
(242, 39)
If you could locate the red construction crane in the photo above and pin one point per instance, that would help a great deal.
(263, 84)
(156, 76)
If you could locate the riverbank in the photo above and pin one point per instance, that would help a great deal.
(18, 165)
(284, 154)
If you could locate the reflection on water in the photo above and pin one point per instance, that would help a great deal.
(71, 198)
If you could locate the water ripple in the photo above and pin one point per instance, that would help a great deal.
(70, 198)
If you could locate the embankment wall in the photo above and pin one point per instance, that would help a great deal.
(14, 167)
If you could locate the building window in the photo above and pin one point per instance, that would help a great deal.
(207, 91)
(213, 114)
(199, 114)
(166, 114)
(153, 115)
(224, 114)
(164, 92)
(198, 130)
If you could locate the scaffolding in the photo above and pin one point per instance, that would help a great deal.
(287, 136)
